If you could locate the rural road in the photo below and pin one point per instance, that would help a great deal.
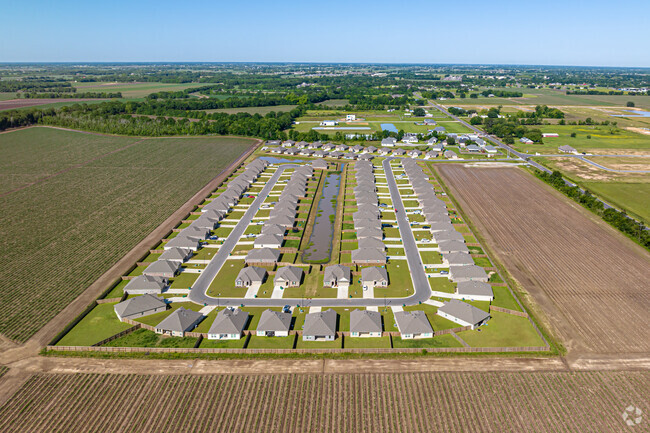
(198, 294)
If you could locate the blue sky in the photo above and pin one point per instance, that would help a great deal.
(569, 32)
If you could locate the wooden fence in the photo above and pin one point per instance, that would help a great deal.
(508, 311)
(118, 335)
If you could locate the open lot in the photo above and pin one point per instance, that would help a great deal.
(60, 234)
(134, 90)
(407, 402)
(589, 280)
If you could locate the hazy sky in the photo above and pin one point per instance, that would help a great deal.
(568, 32)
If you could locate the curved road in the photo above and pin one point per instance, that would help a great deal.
(198, 294)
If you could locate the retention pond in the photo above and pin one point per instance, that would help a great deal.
(322, 236)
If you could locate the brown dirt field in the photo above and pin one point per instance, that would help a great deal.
(12, 104)
(588, 279)
(412, 402)
(581, 170)
(622, 163)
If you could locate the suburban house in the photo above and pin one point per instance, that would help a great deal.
(373, 277)
(273, 229)
(336, 154)
(410, 137)
(368, 256)
(449, 235)
(446, 247)
(288, 143)
(463, 314)
(431, 155)
(399, 152)
(228, 325)
(306, 152)
(250, 276)
(473, 148)
(139, 306)
(490, 150)
(288, 276)
(163, 269)
(459, 274)
(439, 129)
(315, 145)
(384, 151)
(414, 153)
(337, 276)
(320, 326)
(262, 255)
(277, 150)
(450, 154)
(179, 322)
(370, 233)
(475, 291)
(341, 147)
(143, 284)
(365, 323)
(319, 164)
(183, 242)
(372, 243)
(268, 241)
(302, 145)
(413, 324)
(457, 259)
(357, 148)
(389, 142)
(274, 324)
(430, 122)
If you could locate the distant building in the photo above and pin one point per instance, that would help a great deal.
(567, 149)
(329, 123)
(351, 117)
(526, 140)
(550, 134)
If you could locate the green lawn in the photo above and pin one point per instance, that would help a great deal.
(503, 330)
(438, 341)
(399, 281)
(634, 198)
(366, 342)
(155, 319)
(271, 342)
(431, 257)
(146, 338)
(222, 344)
(504, 299)
(118, 290)
(482, 261)
(224, 283)
(442, 284)
(99, 324)
(336, 344)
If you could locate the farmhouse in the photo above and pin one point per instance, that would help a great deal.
(249, 276)
(475, 291)
(268, 241)
(337, 276)
(143, 284)
(368, 256)
(457, 259)
(459, 274)
(262, 255)
(288, 276)
(351, 117)
(373, 277)
(162, 268)
(228, 325)
(430, 122)
(526, 140)
(139, 306)
(463, 314)
(413, 324)
(550, 134)
(179, 322)
(320, 326)
(365, 323)
(274, 324)
(567, 149)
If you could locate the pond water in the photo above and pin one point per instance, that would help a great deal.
(321, 239)
(274, 160)
(635, 113)
(389, 127)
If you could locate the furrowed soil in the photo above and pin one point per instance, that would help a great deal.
(590, 281)
(409, 402)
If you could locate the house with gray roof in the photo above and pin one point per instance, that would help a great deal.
(371, 243)
(218, 205)
(205, 222)
(176, 254)
(336, 154)
(450, 154)
(292, 151)
(250, 276)
(368, 256)
(373, 276)
(370, 233)
(432, 154)
(302, 144)
(365, 323)
(228, 325)
(475, 291)
(179, 322)
(389, 141)
(288, 276)
(279, 150)
(273, 229)
(473, 148)
(459, 274)
(183, 242)
(263, 256)
(399, 152)
(449, 235)
(463, 314)
(143, 284)
(567, 149)
(337, 276)
(268, 241)
(447, 247)
(274, 324)
(200, 233)
(457, 259)
(413, 324)
(139, 306)
(441, 226)
(320, 326)
(163, 269)
(283, 221)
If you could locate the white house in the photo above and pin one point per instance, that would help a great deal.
(365, 323)
(463, 314)
(329, 123)
(228, 325)
(351, 117)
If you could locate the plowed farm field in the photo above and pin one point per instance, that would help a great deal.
(416, 402)
(590, 280)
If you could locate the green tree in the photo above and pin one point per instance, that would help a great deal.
(419, 112)
(629, 104)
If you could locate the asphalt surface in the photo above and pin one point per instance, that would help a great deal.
(198, 294)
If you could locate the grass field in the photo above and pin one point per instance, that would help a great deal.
(408, 402)
(503, 330)
(62, 233)
(99, 324)
(634, 198)
(134, 90)
(254, 110)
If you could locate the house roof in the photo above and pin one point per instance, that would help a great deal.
(177, 254)
(452, 246)
(160, 266)
(458, 258)
(471, 271)
(263, 254)
(145, 282)
(450, 235)
(476, 288)
(465, 312)
(321, 323)
(274, 321)
(338, 272)
(273, 229)
(365, 321)
(266, 239)
(368, 232)
(289, 273)
(371, 243)
(252, 273)
(413, 322)
(229, 322)
(181, 241)
(368, 254)
(374, 273)
(180, 320)
(138, 304)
